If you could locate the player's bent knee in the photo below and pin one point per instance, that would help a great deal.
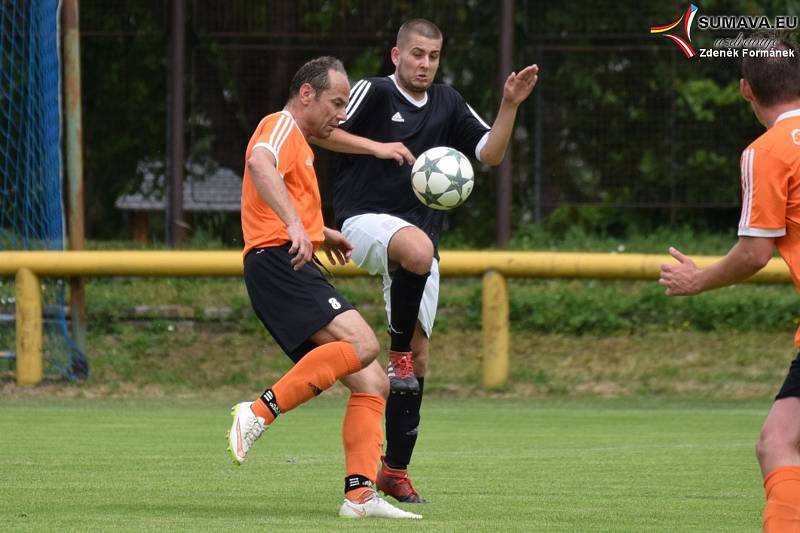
(412, 249)
(419, 258)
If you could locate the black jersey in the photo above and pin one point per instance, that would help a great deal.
(381, 111)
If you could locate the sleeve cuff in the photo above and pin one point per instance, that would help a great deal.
(480, 145)
(759, 232)
(271, 150)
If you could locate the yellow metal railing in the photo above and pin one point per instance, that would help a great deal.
(493, 266)
(457, 263)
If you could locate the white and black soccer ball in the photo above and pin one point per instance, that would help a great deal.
(442, 178)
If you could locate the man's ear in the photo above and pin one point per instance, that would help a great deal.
(395, 55)
(745, 90)
(306, 93)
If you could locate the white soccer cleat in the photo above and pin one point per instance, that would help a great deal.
(246, 429)
(375, 507)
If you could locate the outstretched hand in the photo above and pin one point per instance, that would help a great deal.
(520, 84)
(680, 279)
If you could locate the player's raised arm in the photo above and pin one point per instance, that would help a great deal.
(270, 187)
(344, 142)
(517, 88)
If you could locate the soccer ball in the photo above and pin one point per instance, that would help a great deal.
(442, 178)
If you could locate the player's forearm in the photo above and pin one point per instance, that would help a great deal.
(344, 142)
(740, 263)
(495, 148)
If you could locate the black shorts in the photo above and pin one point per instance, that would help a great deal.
(292, 305)
(791, 386)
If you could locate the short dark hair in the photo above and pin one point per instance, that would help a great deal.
(774, 80)
(423, 27)
(315, 73)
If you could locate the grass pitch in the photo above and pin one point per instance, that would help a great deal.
(489, 465)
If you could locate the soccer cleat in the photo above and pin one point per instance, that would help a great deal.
(375, 507)
(394, 482)
(246, 429)
(401, 373)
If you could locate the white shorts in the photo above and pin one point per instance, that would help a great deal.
(370, 234)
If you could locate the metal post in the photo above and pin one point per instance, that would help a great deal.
(504, 170)
(174, 221)
(74, 162)
(29, 328)
(495, 330)
(537, 143)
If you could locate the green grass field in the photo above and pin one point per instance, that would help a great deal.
(485, 465)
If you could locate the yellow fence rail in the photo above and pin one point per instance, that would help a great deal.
(453, 263)
(493, 266)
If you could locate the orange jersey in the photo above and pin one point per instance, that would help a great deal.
(771, 190)
(262, 227)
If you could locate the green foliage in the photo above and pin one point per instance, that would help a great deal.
(580, 307)
(551, 306)
(124, 87)
(619, 119)
(593, 232)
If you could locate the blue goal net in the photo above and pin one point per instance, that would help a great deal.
(31, 200)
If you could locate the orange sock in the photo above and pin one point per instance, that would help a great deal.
(782, 511)
(317, 371)
(362, 436)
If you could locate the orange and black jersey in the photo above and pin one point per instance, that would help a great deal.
(770, 169)
(380, 110)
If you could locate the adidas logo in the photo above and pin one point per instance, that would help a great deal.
(397, 117)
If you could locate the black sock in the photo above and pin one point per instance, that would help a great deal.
(402, 426)
(405, 295)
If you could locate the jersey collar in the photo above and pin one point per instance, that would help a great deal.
(411, 100)
(788, 114)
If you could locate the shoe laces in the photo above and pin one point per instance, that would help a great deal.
(403, 365)
(252, 430)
